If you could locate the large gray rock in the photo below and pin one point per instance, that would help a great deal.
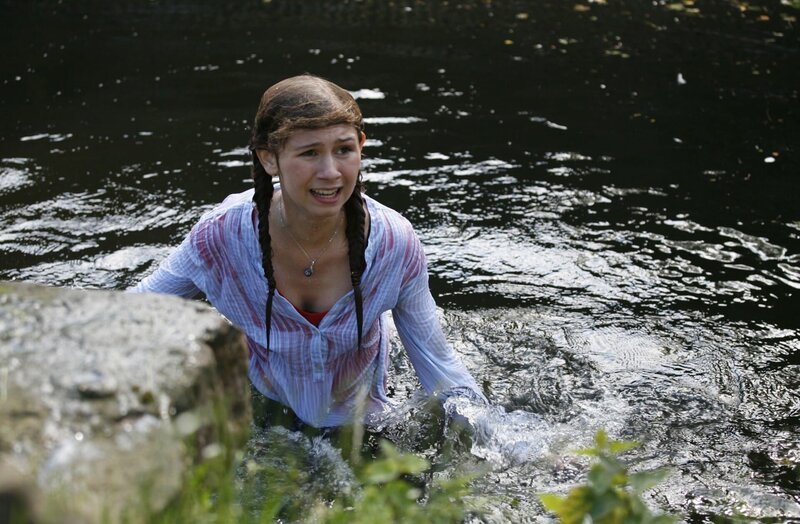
(107, 398)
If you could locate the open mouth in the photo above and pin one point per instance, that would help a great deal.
(325, 193)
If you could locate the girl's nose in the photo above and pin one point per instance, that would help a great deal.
(327, 167)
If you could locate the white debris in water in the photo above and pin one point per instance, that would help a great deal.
(566, 156)
(769, 160)
(52, 137)
(368, 94)
(548, 123)
(436, 156)
(236, 151)
(681, 80)
(553, 125)
(378, 120)
(232, 163)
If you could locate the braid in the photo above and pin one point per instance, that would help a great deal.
(263, 198)
(356, 247)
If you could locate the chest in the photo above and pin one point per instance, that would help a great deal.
(329, 281)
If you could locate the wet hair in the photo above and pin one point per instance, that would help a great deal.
(305, 102)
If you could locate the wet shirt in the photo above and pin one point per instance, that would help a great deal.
(317, 370)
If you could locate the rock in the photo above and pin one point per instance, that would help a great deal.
(108, 398)
(15, 498)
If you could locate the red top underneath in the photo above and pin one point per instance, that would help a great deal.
(315, 317)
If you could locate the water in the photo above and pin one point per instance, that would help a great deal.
(607, 194)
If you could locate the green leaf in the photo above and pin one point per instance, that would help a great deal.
(552, 502)
(387, 449)
(410, 464)
(601, 439)
(621, 446)
(603, 446)
(644, 480)
(605, 498)
(604, 505)
(600, 478)
(591, 452)
(380, 471)
(393, 465)
(577, 506)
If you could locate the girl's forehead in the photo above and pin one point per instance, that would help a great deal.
(335, 133)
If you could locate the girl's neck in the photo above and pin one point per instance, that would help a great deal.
(311, 231)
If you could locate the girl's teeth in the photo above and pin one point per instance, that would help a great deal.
(320, 192)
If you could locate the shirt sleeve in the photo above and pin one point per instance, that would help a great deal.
(438, 367)
(177, 275)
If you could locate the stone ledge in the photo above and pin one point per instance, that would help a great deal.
(107, 395)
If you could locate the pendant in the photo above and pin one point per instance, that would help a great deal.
(308, 271)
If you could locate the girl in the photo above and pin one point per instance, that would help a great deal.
(309, 268)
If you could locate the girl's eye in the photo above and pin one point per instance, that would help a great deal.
(310, 152)
(345, 149)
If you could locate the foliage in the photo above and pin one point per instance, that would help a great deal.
(208, 494)
(611, 494)
(388, 497)
(385, 493)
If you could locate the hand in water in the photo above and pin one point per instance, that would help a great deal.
(465, 396)
(502, 438)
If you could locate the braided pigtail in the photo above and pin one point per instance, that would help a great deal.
(356, 248)
(263, 197)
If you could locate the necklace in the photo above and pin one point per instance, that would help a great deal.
(310, 269)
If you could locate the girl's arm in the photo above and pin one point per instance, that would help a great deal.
(438, 367)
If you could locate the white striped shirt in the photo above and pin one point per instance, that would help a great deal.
(318, 371)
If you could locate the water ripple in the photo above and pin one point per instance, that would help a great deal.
(15, 174)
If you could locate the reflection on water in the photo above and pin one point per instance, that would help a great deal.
(612, 247)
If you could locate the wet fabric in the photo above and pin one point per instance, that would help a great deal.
(318, 371)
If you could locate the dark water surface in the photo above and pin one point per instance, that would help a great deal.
(607, 193)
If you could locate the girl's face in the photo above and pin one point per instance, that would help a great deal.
(317, 169)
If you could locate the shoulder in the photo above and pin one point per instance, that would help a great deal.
(386, 220)
(392, 240)
(233, 204)
(228, 222)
